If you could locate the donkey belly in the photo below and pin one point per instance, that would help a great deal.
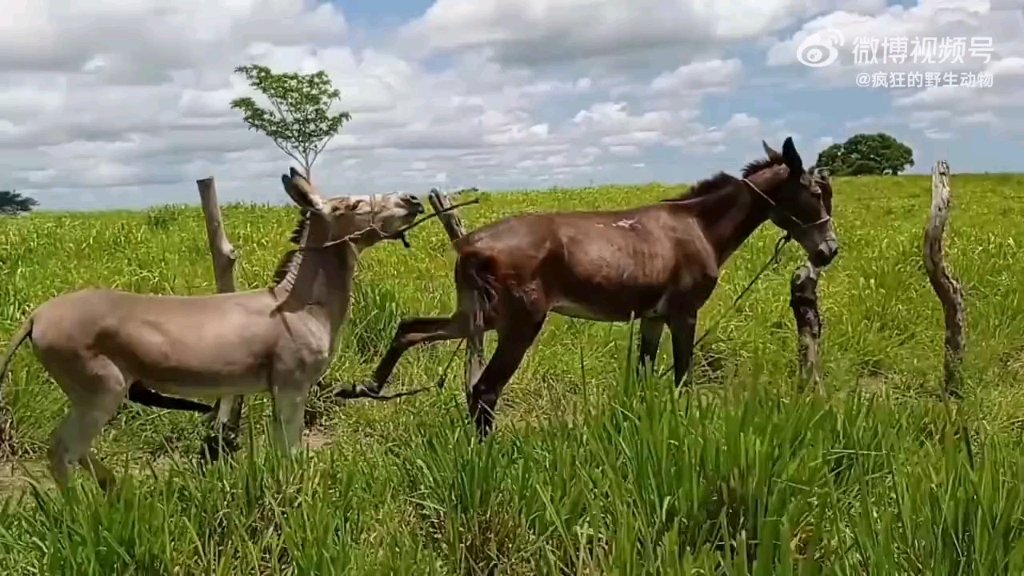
(606, 311)
(203, 386)
(581, 311)
(609, 305)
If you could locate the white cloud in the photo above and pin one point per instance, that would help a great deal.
(705, 76)
(131, 100)
(544, 31)
(615, 126)
(140, 42)
(137, 96)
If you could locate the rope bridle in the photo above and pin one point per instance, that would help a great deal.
(396, 235)
(786, 213)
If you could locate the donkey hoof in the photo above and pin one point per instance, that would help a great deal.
(216, 447)
(358, 391)
(370, 390)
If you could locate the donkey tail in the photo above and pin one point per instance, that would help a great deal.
(477, 285)
(23, 334)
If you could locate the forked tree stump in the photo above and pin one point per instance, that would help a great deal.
(222, 437)
(474, 364)
(946, 288)
(803, 299)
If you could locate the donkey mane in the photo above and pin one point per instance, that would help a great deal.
(290, 261)
(722, 180)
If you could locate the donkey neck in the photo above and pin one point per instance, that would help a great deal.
(319, 282)
(730, 216)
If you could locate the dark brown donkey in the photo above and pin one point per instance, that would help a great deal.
(658, 262)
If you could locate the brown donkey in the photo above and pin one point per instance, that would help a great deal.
(658, 262)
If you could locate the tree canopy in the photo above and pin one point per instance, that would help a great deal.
(299, 120)
(867, 154)
(12, 203)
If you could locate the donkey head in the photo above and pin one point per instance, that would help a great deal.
(801, 207)
(372, 217)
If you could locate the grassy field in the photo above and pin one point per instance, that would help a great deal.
(590, 471)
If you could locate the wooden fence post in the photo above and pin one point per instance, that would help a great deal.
(946, 288)
(455, 230)
(8, 445)
(222, 436)
(803, 299)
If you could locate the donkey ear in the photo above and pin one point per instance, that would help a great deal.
(292, 193)
(791, 157)
(772, 153)
(301, 191)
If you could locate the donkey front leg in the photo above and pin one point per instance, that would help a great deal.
(289, 411)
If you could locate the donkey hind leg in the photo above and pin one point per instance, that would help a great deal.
(650, 341)
(93, 404)
(682, 326)
(289, 411)
(413, 332)
(513, 342)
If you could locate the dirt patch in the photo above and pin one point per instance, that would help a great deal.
(315, 439)
(15, 475)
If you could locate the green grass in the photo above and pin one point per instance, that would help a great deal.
(590, 471)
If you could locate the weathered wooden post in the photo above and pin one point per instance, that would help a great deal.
(222, 436)
(946, 288)
(7, 442)
(455, 230)
(803, 299)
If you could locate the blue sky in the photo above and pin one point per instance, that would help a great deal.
(127, 105)
(381, 15)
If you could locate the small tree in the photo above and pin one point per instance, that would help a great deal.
(300, 122)
(864, 154)
(12, 203)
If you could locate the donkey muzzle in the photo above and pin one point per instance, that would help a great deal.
(413, 204)
(825, 253)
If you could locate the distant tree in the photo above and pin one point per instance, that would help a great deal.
(867, 154)
(12, 203)
(299, 121)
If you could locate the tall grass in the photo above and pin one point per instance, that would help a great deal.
(591, 471)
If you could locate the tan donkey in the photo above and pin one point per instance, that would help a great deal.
(96, 343)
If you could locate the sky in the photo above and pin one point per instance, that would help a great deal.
(126, 104)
